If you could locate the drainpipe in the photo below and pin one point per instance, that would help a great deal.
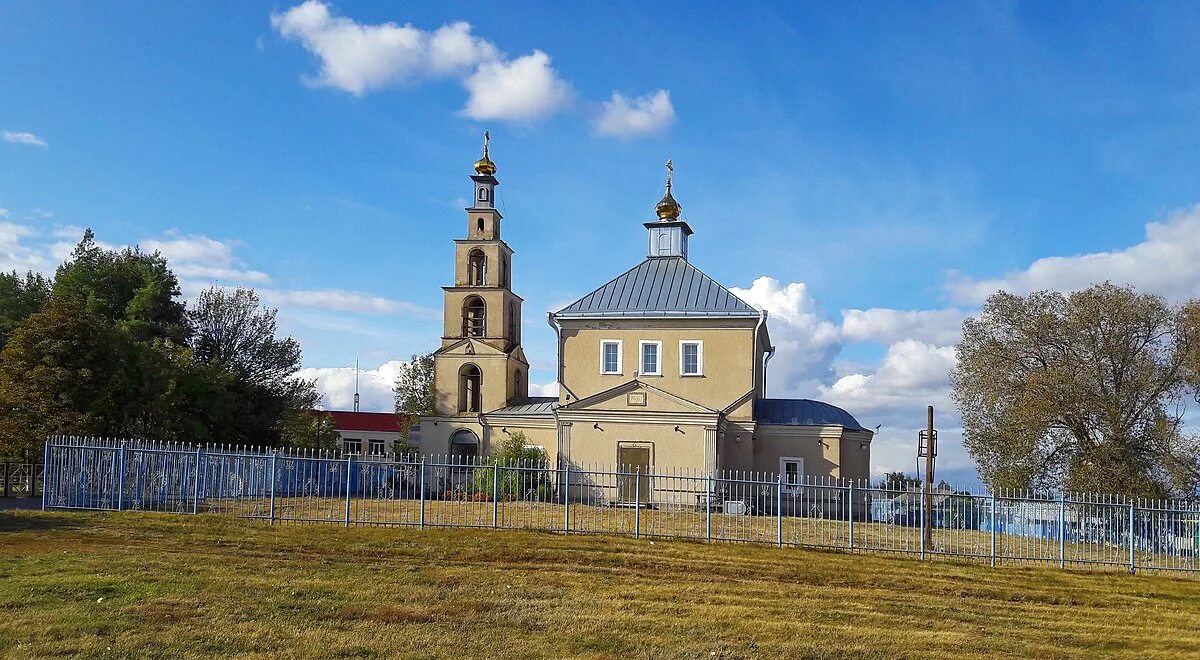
(553, 323)
(762, 320)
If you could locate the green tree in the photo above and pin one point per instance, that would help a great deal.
(1082, 392)
(20, 297)
(234, 332)
(307, 429)
(132, 289)
(414, 395)
(63, 371)
(898, 481)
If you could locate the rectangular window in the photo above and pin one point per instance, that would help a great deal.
(351, 445)
(792, 472)
(610, 356)
(691, 358)
(375, 447)
(651, 358)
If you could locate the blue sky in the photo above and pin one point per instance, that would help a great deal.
(886, 165)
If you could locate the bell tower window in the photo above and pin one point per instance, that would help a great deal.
(479, 225)
(512, 322)
(476, 268)
(470, 389)
(474, 317)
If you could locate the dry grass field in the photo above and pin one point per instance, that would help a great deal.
(154, 585)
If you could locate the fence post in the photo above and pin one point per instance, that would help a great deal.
(274, 478)
(779, 511)
(121, 480)
(46, 476)
(1062, 530)
(566, 498)
(422, 488)
(196, 485)
(708, 510)
(993, 514)
(1131, 542)
(495, 495)
(637, 503)
(850, 512)
(349, 470)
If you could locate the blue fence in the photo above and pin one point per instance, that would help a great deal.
(1070, 530)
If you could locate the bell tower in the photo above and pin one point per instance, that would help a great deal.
(480, 365)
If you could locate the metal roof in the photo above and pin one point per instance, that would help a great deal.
(802, 412)
(660, 286)
(533, 405)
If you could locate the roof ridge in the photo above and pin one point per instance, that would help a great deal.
(661, 284)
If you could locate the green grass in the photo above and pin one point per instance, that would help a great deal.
(119, 585)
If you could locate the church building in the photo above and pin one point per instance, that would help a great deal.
(660, 369)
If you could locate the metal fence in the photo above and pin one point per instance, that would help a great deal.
(20, 479)
(1068, 530)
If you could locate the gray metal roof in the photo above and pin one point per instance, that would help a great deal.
(802, 412)
(660, 286)
(533, 405)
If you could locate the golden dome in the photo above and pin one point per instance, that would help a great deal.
(484, 166)
(667, 208)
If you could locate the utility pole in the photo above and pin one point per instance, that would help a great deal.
(927, 447)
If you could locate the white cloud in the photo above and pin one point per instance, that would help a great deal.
(886, 326)
(805, 340)
(21, 137)
(646, 115)
(14, 254)
(453, 49)
(548, 389)
(196, 257)
(520, 90)
(3, 212)
(1166, 262)
(336, 386)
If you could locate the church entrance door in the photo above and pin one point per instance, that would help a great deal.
(633, 464)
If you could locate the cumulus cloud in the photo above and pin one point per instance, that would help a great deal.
(524, 89)
(336, 386)
(21, 137)
(627, 118)
(15, 254)
(346, 301)
(360, 58)
(197, 257)
(1166, 262)
(805, 340)
(886, 326)
(548, 389)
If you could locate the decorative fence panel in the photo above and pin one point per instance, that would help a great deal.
(1069, 530)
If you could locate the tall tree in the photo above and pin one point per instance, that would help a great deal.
(414, 394)
(234, 332)
(1082, 392)
(19, 298)
(129, 287)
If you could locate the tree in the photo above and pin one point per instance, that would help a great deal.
(234, 332)
(63, 371)
(414, 394)
(899, 481)
(132, 289)
(309, 429)
(20, 297)
(1081, 392)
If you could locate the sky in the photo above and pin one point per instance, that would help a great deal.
(866, 173)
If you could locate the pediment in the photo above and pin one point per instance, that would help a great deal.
(636, 396)
(469, 346)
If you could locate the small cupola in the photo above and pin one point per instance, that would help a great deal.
(669, 235)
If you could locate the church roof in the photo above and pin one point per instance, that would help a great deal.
(660, 286)
(803, 412)
(530, 405)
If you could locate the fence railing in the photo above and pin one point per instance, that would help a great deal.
(20, 479)
(291, 487)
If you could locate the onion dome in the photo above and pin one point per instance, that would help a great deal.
(667, 208)
(484, 166)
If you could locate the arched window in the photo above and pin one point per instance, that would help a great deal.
(664, 243)
(476, 268)
(464, 449)
(517, 383)
(479, 225)
(470, 389)
(474, 317)
(512, 322)
(504, 270)
(482, 194)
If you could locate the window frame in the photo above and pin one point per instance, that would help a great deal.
(791, 487)
(699, 357)
(642, 357)
(373, 443)
(357, 441)
(620, 344)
